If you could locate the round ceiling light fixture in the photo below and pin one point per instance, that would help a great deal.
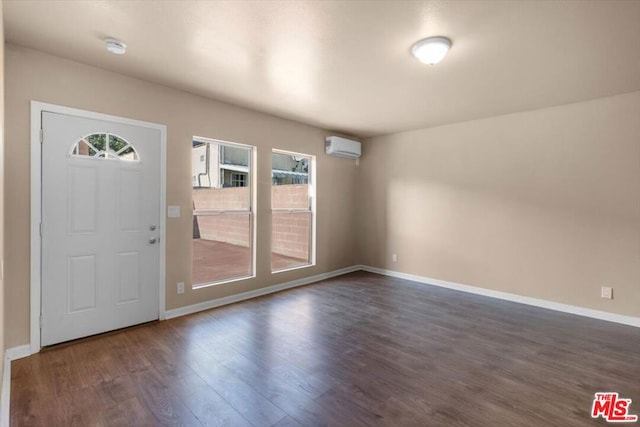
(116, 46)
(431, 50)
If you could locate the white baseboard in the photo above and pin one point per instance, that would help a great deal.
(536, 302)
(11, 354)
(5, 398)
(19, 352)
(182, 311)
(15, 353)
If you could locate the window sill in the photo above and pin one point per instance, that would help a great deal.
(299, 267)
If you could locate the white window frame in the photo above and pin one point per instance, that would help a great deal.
(312, 208)
(251, 181)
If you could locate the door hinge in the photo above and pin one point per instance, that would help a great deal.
(41, 227)
(41, 135)
(41, 321)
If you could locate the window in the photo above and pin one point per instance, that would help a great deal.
(223, 219)
(104, 146)
(238, 179)
(292, 210)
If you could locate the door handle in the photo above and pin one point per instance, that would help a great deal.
(153, 241)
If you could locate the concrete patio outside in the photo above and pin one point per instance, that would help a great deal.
(214, 261)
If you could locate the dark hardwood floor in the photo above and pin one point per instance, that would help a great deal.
(357, 350)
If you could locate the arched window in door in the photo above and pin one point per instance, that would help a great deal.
(105, 146)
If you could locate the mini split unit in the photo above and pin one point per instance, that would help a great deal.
(342, 147)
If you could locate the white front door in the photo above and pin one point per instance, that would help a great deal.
(100, 226)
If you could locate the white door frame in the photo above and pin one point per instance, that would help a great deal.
(36, 204)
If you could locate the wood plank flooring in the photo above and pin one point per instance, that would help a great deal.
(358, 350)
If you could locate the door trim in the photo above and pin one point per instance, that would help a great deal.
(37, 108)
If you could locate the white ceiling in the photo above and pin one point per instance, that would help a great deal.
(345, 65)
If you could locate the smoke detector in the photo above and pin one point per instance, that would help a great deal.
(116, 46)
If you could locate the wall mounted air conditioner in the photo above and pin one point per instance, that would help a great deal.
(342, 147)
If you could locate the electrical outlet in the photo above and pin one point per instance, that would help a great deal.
(180, 287)
(394, 257)
(606, 292)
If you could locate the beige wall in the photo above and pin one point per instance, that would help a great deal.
(544, 203)
(2, 311)
(32, 75)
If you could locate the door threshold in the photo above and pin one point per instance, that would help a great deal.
(96, 336)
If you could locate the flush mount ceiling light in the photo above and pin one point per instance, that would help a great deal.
(431, 50)
(116, 46)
